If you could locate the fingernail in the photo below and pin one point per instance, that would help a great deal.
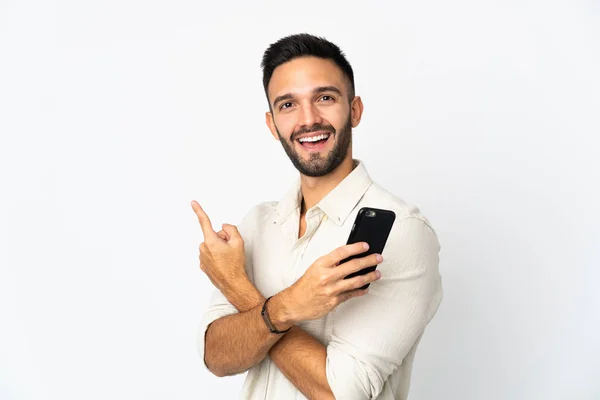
(366, 246)
(379, 258)
(378, 274)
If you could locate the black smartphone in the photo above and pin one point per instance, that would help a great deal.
(372, 225)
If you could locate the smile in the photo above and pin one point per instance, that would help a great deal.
(316, 142)
(314, 139)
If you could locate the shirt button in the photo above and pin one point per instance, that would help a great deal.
(325, 218)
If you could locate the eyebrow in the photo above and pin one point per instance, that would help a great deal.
(320, 89)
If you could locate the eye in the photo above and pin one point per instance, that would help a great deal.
(285, 105)
(326, 97)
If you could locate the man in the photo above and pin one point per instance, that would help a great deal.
(281, 309)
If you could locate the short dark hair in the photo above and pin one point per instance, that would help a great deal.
(304, 45)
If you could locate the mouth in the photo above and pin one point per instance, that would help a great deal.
(316, 142)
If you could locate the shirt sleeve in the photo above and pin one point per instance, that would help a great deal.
(219, 306)
(372, 334)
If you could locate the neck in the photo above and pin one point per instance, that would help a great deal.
(314, 189)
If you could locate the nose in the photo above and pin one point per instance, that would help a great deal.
(310, 116)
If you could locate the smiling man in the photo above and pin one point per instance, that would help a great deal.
(282, 310)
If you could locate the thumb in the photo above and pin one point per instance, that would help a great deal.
(221, 234)
(232, 231)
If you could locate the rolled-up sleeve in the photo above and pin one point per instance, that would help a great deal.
(372, 334)
(219, 306)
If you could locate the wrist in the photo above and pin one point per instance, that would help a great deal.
(281, 312)
(243, 295)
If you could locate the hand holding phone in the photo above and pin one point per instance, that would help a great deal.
(318, 290)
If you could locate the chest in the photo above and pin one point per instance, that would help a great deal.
(280, 256)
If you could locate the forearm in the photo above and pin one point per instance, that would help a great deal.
(237, 342)
(299, 356)
(302, 359)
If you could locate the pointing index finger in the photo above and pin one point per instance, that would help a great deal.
(205, 223)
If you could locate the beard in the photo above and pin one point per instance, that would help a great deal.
(318, 165)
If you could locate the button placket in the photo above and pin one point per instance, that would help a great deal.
(314, 218)
(291, 232)
(313, 224)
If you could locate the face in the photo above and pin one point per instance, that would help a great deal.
(312, 115)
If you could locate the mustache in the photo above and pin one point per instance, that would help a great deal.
(314, 128)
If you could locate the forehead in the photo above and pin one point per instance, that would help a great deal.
(302, 74)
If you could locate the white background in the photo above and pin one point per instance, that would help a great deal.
(114, 115)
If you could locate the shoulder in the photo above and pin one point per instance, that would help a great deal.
(413, 243)
(260, 211)
(408, 215)
(256, 216)
(412, 251)
(253, 222)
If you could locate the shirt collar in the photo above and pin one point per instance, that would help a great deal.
(338, 203)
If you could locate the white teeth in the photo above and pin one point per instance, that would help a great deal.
(313, 138)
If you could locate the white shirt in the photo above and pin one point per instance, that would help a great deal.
(371, 340)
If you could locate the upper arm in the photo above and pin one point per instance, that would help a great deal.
(372, 334)
(219, 306)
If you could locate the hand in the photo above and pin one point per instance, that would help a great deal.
(222, 256)
(323, 287)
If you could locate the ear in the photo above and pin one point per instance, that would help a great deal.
(271, 124)
(356, 110)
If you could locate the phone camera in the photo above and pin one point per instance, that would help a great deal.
(370, 213)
